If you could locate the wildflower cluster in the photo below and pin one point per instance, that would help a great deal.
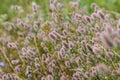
(67, 46)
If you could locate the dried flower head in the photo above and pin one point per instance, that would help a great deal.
(101, 68)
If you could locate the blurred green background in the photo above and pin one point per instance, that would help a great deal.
(112, 5)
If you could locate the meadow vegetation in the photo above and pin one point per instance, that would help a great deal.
(60, 40)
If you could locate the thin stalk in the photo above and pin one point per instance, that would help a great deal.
(36, 45)
(7, 59)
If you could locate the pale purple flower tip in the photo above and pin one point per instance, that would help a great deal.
(1, 64)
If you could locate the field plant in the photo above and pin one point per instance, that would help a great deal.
(68, 44)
